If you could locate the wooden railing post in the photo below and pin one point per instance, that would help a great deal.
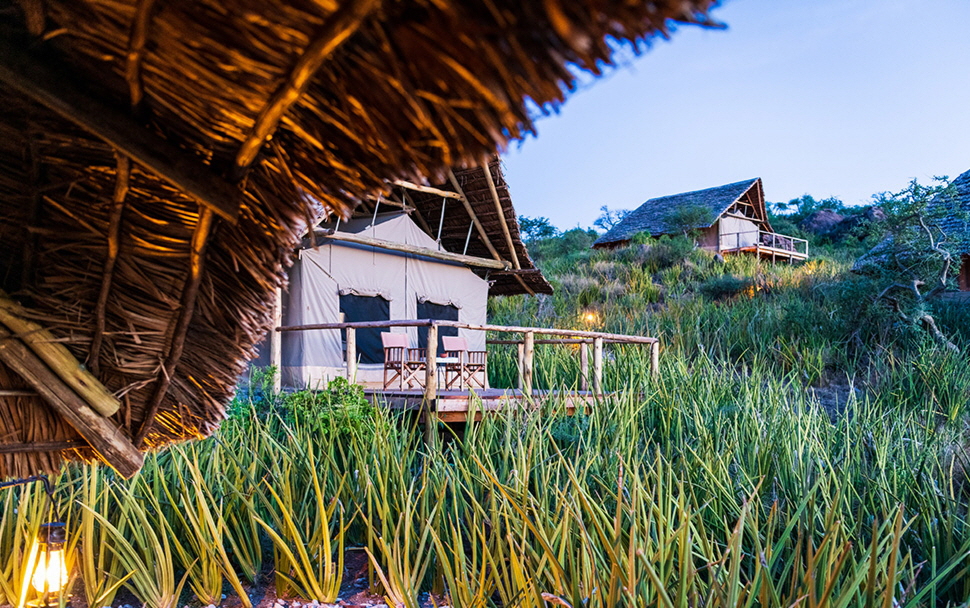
(276, 342)
(584, 367)
(527, 362)
(598, 366)
(521, 364)
(655, 359)
(431, 386)
(351, 354)
(431, 368)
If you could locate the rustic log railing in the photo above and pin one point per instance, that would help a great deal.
(526, 347)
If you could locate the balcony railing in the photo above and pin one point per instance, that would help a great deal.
(526, 347)
(764, 241)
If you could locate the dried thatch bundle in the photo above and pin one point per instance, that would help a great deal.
(157, 161)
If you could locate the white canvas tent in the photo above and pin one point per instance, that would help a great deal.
(324, 276)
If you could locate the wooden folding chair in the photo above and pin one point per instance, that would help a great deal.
(453, 360)
(401, 363)
(395, 354)
(470, 363)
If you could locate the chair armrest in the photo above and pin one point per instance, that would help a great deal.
(417, 354)
(477, 356)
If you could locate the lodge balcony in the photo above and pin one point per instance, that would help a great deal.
(443, 384)
(764, 244)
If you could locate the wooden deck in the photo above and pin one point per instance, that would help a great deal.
(457, 406)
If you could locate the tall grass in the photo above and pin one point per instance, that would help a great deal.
(722, 483)
(744, 494)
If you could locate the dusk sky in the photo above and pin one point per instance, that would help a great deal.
(837, 98)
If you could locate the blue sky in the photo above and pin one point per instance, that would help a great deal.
(838, 98)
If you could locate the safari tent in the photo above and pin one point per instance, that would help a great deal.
(382, 265)
(160, 161)
(726, 219)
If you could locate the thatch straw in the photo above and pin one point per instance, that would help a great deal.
(415, 88)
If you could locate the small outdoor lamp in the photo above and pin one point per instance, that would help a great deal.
(590, 317)
(47, 568)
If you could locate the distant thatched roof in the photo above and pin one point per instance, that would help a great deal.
(950, 213)
(158, 274)
(652, 216)
(954, 208)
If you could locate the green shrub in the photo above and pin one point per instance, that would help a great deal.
(341, 409)
(725, 286)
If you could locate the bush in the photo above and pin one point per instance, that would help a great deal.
(341, 408)
(724, 287)
(657, 254)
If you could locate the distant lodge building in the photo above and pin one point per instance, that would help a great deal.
(726, 219)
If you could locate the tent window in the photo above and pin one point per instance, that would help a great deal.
(358, 309)
(439, 312)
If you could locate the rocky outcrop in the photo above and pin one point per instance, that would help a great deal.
(837, 227)
(821, 222)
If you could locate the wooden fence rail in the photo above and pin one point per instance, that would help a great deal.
(525, 346)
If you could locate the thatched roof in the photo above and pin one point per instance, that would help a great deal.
(953, 209)
(948, 213)
(473, 185)
(158, 274)
(652, 217)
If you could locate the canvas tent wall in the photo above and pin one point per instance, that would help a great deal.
(333, 273)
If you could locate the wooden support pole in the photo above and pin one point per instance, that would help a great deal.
(431, 386)
(137, 39)
(501, 216)
(46, 446)
(180, 324)
(56, 90)
(583, 367)
(276, 342)
(102, 435)
(528, 360)
(351, 354)
(123, 171)
(655, 359)
(520, 367)
(339, 26)
(58, 358)
(427, 189)
(468, 260)
(598, 366)
(481, 230)
(17, 393)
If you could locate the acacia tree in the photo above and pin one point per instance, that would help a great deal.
(914, 262)
(687, 218)
(608, 218)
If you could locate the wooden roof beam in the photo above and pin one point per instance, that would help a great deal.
(467, 260)
(180, 323)
(501, 215)
(54, 89)
(101, 434)
(427, 189)
(481, 230)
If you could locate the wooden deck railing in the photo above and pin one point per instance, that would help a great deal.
(762, 239)
(526, 344)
